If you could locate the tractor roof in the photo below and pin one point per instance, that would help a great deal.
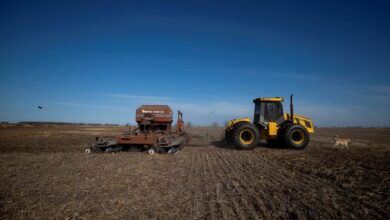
(269, 99)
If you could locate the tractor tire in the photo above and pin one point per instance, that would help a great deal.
(294, 136)
(245, 136)
(229, 137)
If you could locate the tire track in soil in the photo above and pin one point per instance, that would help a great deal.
(193, 181)
(240, 186)
(218, 200)
(237, 210)
(226, 180)
(282, 187)
(202, 188)
(277, 180)
(280, 174)
(188, 176)
(207, 189)
(180, 199)
(319, 186)
(344, 194)
(255, 199)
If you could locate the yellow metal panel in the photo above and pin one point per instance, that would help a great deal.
(302, 120)
(272, 130)
(305, 122)
(270, 99)
(235, 121)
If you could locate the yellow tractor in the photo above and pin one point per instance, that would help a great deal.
(271, 124)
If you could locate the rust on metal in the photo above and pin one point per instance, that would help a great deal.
(153, 132)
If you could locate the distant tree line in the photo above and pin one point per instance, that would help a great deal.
(62, 123)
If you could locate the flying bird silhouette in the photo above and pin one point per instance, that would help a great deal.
(40, 107)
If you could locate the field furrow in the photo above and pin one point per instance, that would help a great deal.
(48, 175)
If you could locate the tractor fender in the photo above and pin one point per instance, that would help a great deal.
(233, 122)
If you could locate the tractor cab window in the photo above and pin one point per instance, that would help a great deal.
(267, 112)
(272, 111)
(257, 113)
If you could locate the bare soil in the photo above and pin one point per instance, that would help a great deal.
(45, 174)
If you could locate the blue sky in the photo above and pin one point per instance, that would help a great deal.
(96, 61)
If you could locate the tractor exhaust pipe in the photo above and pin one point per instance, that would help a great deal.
(291, 108)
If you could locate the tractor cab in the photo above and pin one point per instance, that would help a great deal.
(268, 110)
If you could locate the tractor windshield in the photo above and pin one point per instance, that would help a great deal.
(272, 111)
(267, 112)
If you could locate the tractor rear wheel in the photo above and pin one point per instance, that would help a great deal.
(229, 137)
(295, 136)
(245, 136)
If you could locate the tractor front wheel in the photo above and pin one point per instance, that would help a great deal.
(295, 136)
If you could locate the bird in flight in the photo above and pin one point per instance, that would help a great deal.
(40, 107)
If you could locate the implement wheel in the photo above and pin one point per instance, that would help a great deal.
(245, 136)
(151, 151)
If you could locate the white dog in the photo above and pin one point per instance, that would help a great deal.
(340, 142)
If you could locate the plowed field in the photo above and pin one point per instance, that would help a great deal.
(45, 174)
